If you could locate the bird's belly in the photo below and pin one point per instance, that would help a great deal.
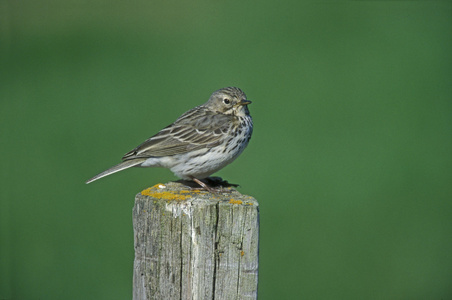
(205, 162)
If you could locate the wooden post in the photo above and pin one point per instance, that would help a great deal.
(192, 244)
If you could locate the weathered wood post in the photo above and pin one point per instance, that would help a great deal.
(192, 244)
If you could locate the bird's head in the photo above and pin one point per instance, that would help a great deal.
(229, 101)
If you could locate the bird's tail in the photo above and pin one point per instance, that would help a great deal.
(119, 167)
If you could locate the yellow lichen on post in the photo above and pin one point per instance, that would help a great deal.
(156, 192)
(146, 192)
(233, 201)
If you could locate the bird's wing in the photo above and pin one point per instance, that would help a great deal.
(196, 129)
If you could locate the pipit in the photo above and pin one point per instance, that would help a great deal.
(200, 142)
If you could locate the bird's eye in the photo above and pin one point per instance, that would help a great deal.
(226, 101)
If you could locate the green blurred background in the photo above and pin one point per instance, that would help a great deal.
(351, 158)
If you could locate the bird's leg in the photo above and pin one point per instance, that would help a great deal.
(203, 185)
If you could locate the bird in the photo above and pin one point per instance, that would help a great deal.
(200, 142)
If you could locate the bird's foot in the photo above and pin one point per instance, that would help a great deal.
(213, 185)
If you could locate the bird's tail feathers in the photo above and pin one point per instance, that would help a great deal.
(119, 167)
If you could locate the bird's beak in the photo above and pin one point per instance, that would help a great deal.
(244, 102)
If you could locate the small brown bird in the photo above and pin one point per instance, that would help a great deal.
(200, 142)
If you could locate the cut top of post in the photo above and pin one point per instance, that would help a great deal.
(177, 192)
